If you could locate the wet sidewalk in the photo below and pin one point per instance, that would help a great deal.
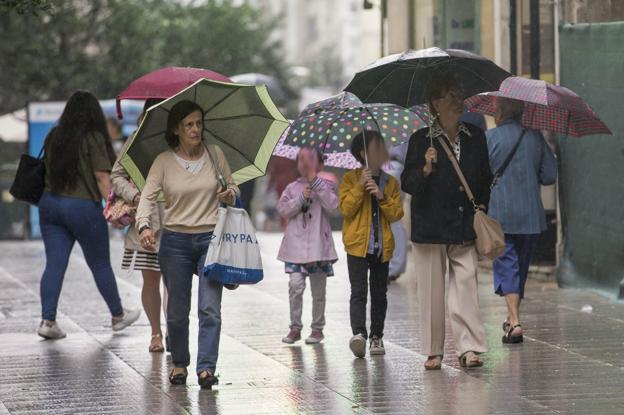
(572, 362)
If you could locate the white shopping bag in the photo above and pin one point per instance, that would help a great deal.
(234, 254)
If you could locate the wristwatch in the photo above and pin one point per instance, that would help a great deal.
(142, 228)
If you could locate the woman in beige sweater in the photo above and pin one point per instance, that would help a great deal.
(135, 256)
(187, 176)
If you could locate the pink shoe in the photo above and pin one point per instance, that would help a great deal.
(293, 335)
(315, 337)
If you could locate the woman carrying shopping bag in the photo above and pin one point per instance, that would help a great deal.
(186, 176)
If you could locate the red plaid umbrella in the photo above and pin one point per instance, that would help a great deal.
(165, 82)
(547, 107)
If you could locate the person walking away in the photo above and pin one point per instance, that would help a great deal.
(394, 168)
(369, 201)
(516, 203)
(186, 175)
(137, 258)
(78, 160)
(308, 246)
(442, 223)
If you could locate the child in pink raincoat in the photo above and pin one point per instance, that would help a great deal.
(308, 247)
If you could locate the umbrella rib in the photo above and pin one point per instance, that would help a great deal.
(380, 82)
(222, 140)
(229, 94)
(237, 117)
(409, 92)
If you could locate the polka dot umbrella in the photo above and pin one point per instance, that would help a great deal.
(331, 124)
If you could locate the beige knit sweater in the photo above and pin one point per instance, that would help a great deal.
(190, 199)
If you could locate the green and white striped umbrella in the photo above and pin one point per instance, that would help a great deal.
(241, 119)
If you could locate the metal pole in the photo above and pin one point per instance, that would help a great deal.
(513, 37)
(384, 12)
(411, 24)
(535, 39)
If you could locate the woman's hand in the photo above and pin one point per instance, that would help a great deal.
(228, 197)
(136, 200)
(147, 239)
(431, 156)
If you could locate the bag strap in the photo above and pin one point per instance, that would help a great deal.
(220, 178)
(461, 176)
(503, 167)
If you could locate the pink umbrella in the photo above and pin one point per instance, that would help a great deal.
(547, 107)
(165, 82)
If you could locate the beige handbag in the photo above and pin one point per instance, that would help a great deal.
(490, 241)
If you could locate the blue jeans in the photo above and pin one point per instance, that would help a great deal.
(181, 255)
(512, 268)
(65, 220)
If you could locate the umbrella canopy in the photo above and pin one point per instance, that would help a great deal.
(341, 160)
(241, 119)
(276, 89)
(331, 124)
(165, 82)
(547, 107)
(400, 79)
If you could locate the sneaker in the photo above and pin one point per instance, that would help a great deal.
(315, 337)
(50, 330)
(129, 317)
(293, 335)
(376, 346)
(357, 344)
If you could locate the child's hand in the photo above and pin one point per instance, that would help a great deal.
(307, 192)
(367, 176)
(372, 188)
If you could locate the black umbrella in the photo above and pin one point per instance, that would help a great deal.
(400, 79)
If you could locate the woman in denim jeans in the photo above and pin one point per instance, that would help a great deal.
(78, 160)
(187, 176)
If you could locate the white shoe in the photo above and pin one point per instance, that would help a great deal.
(129, 317)
(357, 344)
(376, 347)
(50, 330)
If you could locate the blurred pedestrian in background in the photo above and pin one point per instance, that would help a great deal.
(135, 257)
(114, 131)
(308, 246)
(442, 223)
(516, 203)
(394, 168)
(78, 160)
(370, 201)
(187, 177)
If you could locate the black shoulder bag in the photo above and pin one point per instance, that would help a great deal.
(30, 179)
(503, 167)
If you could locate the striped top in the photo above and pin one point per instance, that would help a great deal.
(516, 200)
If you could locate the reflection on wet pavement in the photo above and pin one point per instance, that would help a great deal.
(571, 362)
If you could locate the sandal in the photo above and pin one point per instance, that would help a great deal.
(178, 378)
(506, 326)
(156, 345)
(207, 380)
(470, 360)
(510, 338)
(433, 363)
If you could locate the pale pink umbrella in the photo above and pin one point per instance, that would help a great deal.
(547, 107)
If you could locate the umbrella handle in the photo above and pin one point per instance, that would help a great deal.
(365, 149)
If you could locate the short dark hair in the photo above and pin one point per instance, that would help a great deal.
(178, 112)
(510, 109)
(438, 83)
(357, 146)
